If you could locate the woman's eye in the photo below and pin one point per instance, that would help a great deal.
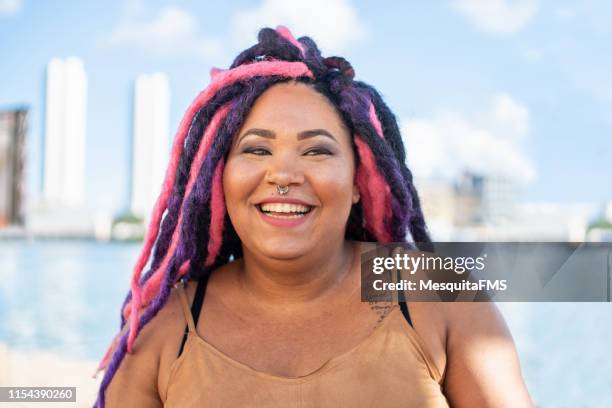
(317, 151)
(258, 151)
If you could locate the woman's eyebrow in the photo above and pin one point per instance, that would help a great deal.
(305, 134)
(315, 132)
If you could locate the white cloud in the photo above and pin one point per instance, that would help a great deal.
(10, 7)
(507, 118)
(491, 143)
(333, 24)
(498, 16)
(171, 31)
(174, 31)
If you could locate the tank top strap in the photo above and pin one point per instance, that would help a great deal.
(192, 316)
(180, 289)
(404, 308)
(402, 300)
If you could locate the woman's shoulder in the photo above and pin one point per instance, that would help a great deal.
(428, 318)
(168, 328)
(160, 338)
(169, 323)
(145, 370)
(158, 332)
(453, 317)
(472, 347)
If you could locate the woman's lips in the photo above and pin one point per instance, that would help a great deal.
(279, 220)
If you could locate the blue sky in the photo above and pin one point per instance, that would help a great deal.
(518, 87)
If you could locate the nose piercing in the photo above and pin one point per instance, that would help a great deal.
(282, 190)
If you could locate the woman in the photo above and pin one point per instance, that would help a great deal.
(282, 171)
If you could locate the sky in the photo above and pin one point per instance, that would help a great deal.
(520, 88)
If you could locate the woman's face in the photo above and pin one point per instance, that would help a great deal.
(292, 137)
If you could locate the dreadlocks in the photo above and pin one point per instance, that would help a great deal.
(190, 233)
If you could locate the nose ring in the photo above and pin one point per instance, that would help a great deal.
(282, 190)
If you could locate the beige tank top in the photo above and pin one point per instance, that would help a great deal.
(390, 368)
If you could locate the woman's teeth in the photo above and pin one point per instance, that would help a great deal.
(283, 210)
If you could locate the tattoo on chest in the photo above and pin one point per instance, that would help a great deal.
(381, 309)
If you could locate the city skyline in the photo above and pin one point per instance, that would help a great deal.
(64, 158)
(525, 94)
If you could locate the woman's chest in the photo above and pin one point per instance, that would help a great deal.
(288, 346)
(385, 370)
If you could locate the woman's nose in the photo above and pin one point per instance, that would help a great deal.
(284, 169)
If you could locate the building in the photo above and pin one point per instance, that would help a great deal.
(150, 141)
(64, 132)
(484, 199)
(483, 207)
(469, 199)
(13, 127)
(472, 199)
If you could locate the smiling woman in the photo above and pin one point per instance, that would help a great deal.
(293, 138)
(283, 171)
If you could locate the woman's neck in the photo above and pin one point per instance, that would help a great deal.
(305, 280)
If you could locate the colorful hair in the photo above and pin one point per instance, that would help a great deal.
(195, 235)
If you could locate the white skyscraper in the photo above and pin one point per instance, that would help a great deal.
(65, 111)
(151, 141)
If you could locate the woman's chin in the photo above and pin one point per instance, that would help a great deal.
(284, 247)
